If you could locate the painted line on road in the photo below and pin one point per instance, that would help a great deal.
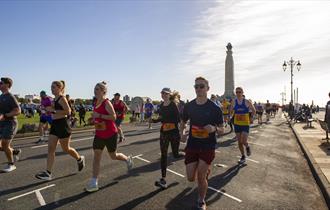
(254, 131)
(140, 158)
(147, 161)
(226, 194)
(221, 165)
(255, 161)
(257, 144)
(46, 145)
(31, 192)
(41, 199)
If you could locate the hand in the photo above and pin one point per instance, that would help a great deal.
(95, 115)
(49, 109)
(221, 131)
(210, 128)
(184, 138)
(2, 117)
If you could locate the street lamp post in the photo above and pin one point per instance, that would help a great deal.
(292, 63)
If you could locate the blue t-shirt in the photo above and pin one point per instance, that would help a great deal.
(200, 116)
(148, 107)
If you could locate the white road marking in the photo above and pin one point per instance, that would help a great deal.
(147, 161)
(140, 158)
(254, 131)
(221, 165)
(257, 144)
(46, 145)
(37, 192)
(226, 194)
(40, 198)
(255, 161)
(169, 170)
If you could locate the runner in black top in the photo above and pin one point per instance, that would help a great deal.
(169, 116)
(9, 109)
(205, 121)
(59, 131)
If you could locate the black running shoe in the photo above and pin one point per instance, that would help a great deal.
(201, 205)
(16, 154)
(81, 163)
(161, 183)
(242, 160)
(44, 175)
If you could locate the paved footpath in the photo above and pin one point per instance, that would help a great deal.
(317, 151)
(277, 176)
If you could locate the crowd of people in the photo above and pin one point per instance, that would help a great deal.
(197, 123)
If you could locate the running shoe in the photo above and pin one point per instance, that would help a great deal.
(44, 175)
(242, 160)
(129, 162)
(161, 183)
(8, 168)
(92, 186)
(16, 154)
(201, 205)
(248, 151)
(81, 163)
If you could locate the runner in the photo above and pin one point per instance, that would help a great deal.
(149, 109)
(169, 116)
(106, 134)
(268, 110)
(225, 111)
(82, 114)
(121, 109)
(45, 117)
(215, 101)
(241, 108)
(260, 110)
(60, 131)
(327, 114)
(9, 110)
(205, 121)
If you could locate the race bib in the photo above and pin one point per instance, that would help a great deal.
(168, 126)
(101, 126)
(242, 118)
(199, 132)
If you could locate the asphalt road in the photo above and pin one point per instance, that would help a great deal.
(276, 176)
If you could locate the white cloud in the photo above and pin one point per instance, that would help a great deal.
(263, 34)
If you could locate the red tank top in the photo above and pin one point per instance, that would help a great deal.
(119, 108)
(104, 128)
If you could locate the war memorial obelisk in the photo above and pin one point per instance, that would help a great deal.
(229, 74)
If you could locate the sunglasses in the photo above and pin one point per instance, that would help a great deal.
(164, 93)
(200, 86)
(238, 91)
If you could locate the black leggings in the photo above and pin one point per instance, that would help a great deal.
(165, 140)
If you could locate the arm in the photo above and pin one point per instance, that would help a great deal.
(16, 109)
(15, 112)
(66, 108)
(112, 115)
(252, 108)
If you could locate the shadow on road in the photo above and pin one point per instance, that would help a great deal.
(132, 204)
(17, 189)
(72, 199)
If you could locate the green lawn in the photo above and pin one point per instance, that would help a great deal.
(35, 120)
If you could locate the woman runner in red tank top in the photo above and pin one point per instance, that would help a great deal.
(105, 134)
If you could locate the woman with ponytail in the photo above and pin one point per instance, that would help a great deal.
(59, 131)
(169, 116)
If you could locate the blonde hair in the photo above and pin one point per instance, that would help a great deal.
(174, 97)
(103, 86)
(203, 79)
(60, 84)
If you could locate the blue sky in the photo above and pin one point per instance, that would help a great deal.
(140, 47)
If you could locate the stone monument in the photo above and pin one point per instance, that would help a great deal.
(229, 74)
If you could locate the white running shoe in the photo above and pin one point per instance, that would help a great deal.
(129, 162)
(92, 186)
(8, 168)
